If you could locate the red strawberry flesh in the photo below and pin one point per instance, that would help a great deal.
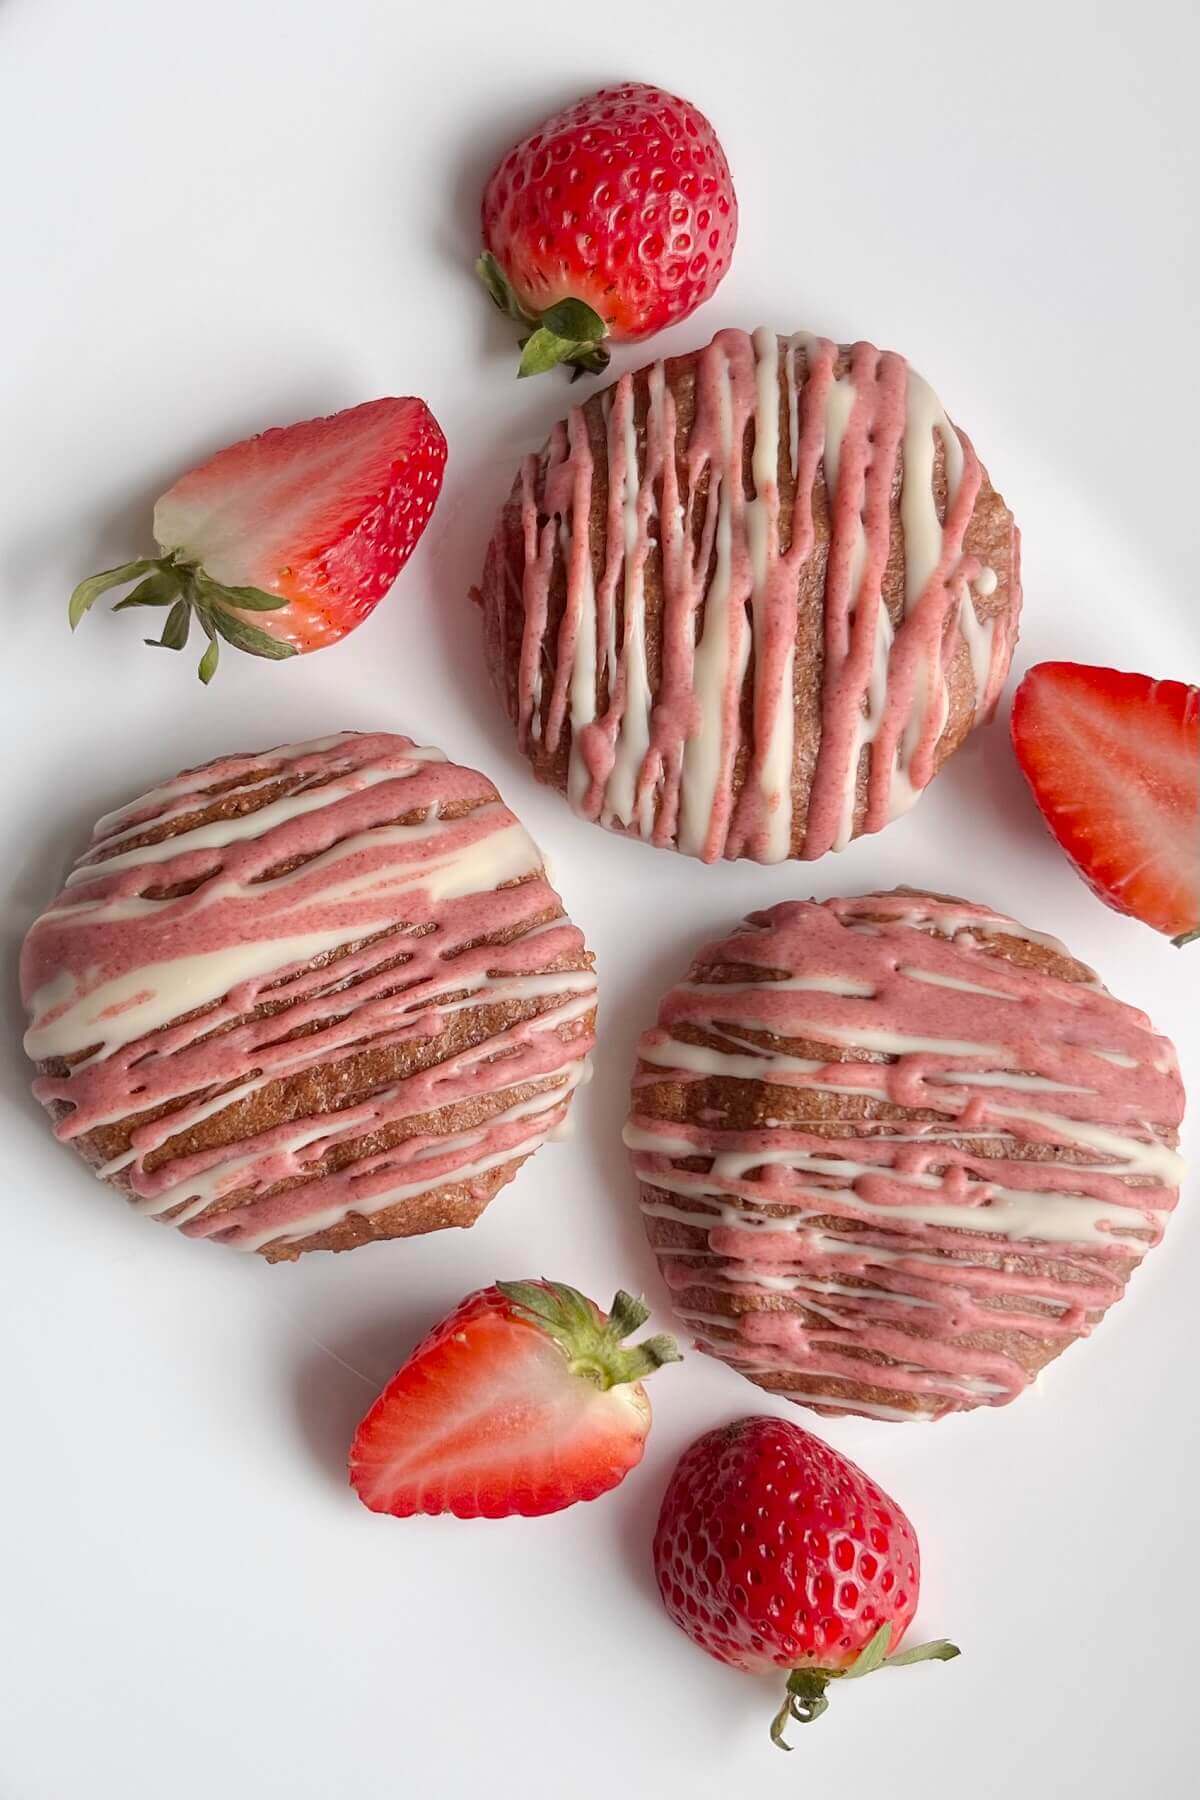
(325, 513)
(1113, 760)
(286, 541)
(494, 1414)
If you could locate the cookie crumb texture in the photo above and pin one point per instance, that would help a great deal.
(746, 602)
(897, 1152)
(301, 1000)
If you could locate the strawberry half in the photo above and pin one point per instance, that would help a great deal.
(524, 1400)
(774, 1552)
(286, 541)
(613, 219)
(1114, 764)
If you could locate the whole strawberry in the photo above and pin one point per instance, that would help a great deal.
(285, 542)
(615, 218)
(772, 1551)
(525, 1399)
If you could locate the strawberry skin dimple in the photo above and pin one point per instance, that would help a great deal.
(772, 1551)
(524, 1400)
(615, 218)
(1113, 760)
(284, 542)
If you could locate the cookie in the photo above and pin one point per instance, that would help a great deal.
(897, 1152)
(305, 999)
(746, 602)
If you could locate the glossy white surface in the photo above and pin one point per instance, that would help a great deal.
(224, 216)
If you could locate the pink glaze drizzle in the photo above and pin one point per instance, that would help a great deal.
(112, 965)
(660, 760)
(998, 1052)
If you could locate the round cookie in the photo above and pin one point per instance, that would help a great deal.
(301, 1000)
(747, 601)
(897, 1152)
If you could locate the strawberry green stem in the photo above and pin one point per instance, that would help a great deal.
(804, 1700)
(805, 1697)
(594, 1345)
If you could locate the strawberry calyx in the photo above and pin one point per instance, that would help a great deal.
(592, 1343)
(805, 1698)
(182, 586)
(1186, 937)
(568, 333)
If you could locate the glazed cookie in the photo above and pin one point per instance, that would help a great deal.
(301, 1000)
(897, 1152)
(746, 602)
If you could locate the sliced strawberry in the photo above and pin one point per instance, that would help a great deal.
(524, 1400)
(285, 542)
(1114, 764)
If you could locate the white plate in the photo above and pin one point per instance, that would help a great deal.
(225, 215)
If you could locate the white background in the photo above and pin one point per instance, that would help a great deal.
(228, 214)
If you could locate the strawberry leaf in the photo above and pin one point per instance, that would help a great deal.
(588, 360)
(178, 625)
(176, 629)
(592, 1344)
(542, 351)
(873, 1654)
(244, 636)
(88, 592)
(546, 347)
(941, 1650)
(208, 662)
(158, 589)
(496, 283)
(246, 599)
(574, 319)
(626, 1314)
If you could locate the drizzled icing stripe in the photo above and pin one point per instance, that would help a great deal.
(706, 757)
(927, 1255)
(354, 905)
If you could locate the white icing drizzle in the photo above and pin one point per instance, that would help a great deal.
(871, 1259)
(236, 920)
(668, 754)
